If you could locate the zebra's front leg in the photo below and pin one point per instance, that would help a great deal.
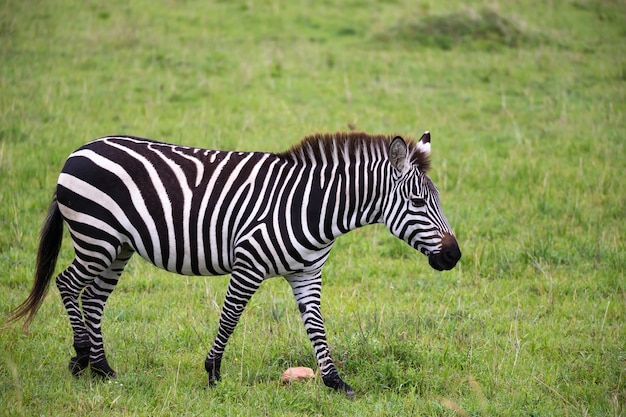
(242, 285)
(307, 292)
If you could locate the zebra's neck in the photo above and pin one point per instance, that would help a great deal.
(355, 197)
(343, 186)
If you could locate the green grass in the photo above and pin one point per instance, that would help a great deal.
(526, 102)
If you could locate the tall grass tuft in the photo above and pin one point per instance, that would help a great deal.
(485, 28)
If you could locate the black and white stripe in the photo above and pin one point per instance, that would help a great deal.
(251, 214)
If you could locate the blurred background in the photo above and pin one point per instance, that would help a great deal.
(525, 101)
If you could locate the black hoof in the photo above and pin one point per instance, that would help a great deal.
(333, 381)
(347, 389)
(212, 367)
(78, 365)
(80, 362)
(102, 370)
(213, 380)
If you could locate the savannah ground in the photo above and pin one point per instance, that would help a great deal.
(526, 102)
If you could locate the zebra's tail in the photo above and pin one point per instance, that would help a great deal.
(49, 247)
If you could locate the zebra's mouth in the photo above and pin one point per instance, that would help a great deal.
(438, 262)
(448, 256)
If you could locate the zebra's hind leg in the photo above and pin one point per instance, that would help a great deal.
(307, 292)
(242, 285)
(70, 283)
(93, 299)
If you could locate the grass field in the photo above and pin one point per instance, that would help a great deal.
(526, 103)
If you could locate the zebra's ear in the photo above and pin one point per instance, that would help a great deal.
(424, 143)
(397, 153)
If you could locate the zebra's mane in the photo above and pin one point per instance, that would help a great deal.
(321, 146)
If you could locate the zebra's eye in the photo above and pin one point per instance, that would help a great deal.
(418, 202)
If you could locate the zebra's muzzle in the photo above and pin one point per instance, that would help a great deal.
(448, 256)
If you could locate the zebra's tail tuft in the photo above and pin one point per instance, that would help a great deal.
(49, 246)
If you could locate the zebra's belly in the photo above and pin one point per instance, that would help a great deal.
(187, 259)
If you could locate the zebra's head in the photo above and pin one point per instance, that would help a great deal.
(413, 212)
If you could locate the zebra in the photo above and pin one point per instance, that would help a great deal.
(253, 215)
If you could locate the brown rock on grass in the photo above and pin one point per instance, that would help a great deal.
(298, 373)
